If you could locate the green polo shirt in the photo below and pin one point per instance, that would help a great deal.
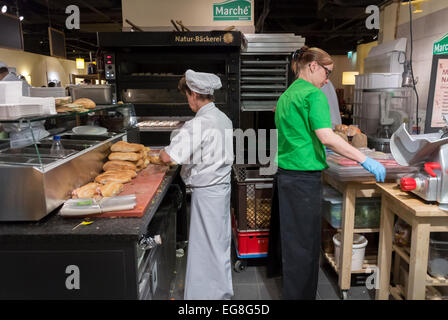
(300, 110)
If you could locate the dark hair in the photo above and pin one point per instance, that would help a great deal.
(3, 70)
(51, 84)
(183, 87)
(305, 55)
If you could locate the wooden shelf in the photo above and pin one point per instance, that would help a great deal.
(404, 253)
(440, 281)
(431, 293)
(368, 263)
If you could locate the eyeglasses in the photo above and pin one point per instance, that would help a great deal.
(327, 71)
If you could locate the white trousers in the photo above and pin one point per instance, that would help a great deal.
(209, 272)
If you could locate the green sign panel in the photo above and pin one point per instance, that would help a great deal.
(441, 47)
(236, 10)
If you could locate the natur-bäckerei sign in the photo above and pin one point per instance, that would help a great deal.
(238, 10)
(441, 47)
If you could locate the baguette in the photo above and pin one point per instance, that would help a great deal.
(85, 103)
(123, 146)
(110, 189)
(117, 165)
(131, 173)
(113, 176)
(125, 156)
(87, 191)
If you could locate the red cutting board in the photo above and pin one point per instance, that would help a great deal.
(144, 186)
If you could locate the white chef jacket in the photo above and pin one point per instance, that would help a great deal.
(204, 148)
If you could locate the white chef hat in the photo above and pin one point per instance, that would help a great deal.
(201, 82)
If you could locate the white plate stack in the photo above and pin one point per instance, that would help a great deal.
(10, 92)
(48, 104)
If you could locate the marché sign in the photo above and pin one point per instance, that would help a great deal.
(239, 10)
(441, 47)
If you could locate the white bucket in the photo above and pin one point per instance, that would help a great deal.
(358, 251)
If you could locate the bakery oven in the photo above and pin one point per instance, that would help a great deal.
(144, 69)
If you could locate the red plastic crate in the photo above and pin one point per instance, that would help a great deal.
(252, 243)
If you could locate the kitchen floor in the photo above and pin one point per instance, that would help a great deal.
(253, 284)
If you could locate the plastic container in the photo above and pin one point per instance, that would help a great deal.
(252, 243)
(10, 92)
(367, 210)
(438, 255)
(252, 197)
(16, 111)
(358, 251)
(56, 148)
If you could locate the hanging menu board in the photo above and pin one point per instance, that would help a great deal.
(11, 32)
(57, 43)
(438, 88)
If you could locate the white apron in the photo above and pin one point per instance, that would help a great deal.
(209, 273)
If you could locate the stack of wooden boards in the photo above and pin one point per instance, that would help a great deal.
(125, 161)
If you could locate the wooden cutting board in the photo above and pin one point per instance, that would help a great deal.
(144, 186)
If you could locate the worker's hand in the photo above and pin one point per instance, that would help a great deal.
(376, 168)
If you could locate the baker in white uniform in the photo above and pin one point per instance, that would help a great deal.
(204, 148)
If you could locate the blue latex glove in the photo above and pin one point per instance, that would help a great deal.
(376, 168)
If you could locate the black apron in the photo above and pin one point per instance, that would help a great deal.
(295, 232)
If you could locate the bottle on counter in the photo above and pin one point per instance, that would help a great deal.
(56, 148)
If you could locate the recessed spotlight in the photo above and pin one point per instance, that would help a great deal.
(4, 9)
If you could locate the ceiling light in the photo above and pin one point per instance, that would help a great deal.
(4, 9)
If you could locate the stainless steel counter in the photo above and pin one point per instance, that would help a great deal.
(32, 188)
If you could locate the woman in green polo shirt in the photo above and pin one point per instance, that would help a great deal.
(303, 121)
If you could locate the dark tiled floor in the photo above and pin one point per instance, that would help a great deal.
(253, 284)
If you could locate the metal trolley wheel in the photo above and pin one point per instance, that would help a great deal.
(240, 265)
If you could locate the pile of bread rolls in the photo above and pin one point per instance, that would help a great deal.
(125, 160)
(351, 134)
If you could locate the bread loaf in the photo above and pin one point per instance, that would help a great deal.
(341, 128)
(125, 156)
(117, 165)
(123, 146)
(131, 173)
(359, 140)
(114, 176)
(110, 189)
(140, 163)
(87, 191)
(85, 103)
(352, 130)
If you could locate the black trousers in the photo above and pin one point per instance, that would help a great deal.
(299, 204)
